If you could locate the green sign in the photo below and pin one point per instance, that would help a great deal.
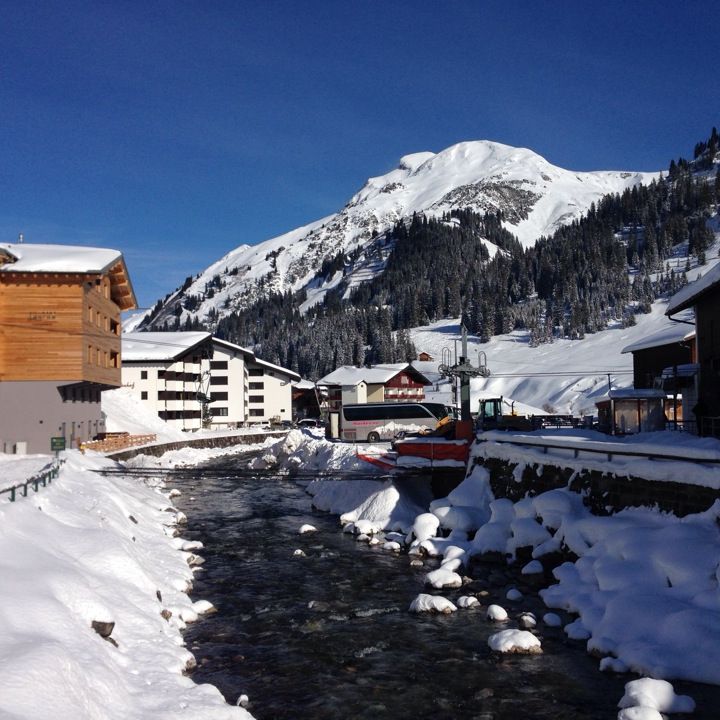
(57, 443)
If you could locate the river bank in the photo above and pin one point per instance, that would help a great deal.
(89, 549)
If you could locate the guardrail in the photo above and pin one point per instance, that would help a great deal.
(609, 452)
(43, 478)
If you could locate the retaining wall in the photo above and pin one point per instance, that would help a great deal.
(206, 442)
(602, 492)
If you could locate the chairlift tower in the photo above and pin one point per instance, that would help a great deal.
(464, 370)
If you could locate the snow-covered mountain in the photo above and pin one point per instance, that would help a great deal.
(535, 197)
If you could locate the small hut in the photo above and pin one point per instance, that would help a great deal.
(632, 410)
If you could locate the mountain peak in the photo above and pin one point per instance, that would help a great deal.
(535, 198)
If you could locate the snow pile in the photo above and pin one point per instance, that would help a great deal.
(90, 549)
(645, 586)
(647, 698)
(125, 413)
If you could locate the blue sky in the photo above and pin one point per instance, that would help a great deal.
(176, 130)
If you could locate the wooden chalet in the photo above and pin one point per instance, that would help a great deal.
(665, 361)
(60, 311)
(394, 382)
(704, 296)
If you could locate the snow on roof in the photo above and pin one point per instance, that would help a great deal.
(674, 333)
(232, 346)
(304, 385)
(56, 258)
(159, 346)
(277, 368)
(377, 374)
(635, 394)
(686, 297)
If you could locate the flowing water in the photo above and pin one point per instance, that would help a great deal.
(329, 635)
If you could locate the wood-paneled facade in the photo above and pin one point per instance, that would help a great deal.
(704, 296)
(59, 327)
(59, 344)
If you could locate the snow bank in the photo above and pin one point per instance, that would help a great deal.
(645, 586)
(88, 548)
(125, 413)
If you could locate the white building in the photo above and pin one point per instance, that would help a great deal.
(193, 380)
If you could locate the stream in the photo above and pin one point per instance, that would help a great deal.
(329, 635)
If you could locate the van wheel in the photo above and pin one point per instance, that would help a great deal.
(373, 437)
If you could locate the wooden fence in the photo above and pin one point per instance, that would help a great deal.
(116, 442)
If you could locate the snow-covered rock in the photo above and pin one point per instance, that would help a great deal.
(442, 578)
(497, 613)
(514, 641)
(432, 604)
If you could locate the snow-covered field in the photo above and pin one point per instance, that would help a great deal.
(566, 376)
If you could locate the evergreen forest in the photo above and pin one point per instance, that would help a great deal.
(606, 267)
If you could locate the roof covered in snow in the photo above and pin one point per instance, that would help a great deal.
(159, 346)
(675, 332)
(687, 297)
(168, 346)
(636, 394)
(277, 368)
(21, 257)
(375, 375)
(76, 259)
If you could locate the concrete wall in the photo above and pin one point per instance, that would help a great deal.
(602, 492)
(33, 412)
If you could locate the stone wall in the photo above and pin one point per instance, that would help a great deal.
(207, 442)
(602, 492)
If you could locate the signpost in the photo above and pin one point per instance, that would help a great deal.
(57, 444)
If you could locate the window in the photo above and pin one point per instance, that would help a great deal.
(143, 374)
(257, 386)
(257, 398)
(256, 412)
(255, 372)
(218, 380)
(218, 396)
(218, 365)
(219, 411)
(144, 395)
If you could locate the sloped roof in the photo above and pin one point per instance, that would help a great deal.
(252, 358)
(57, 258)
(32, 258)
(673, 333)
(687, 297)
(284, 371)
(375, 375)
(159, 346)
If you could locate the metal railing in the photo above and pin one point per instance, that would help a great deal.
(610, 453)
(43, 479)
